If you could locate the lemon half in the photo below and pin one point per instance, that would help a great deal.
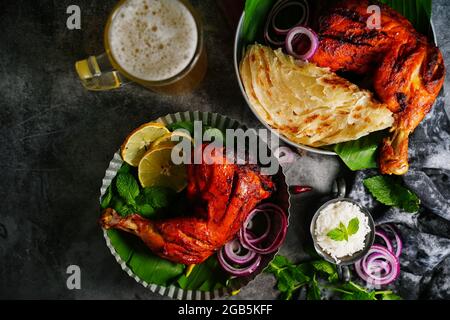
(140, 140)
(167, 140)
(157, 169)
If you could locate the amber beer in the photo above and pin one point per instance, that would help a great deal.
(156, 43)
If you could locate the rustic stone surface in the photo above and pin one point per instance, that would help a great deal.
(57, 140)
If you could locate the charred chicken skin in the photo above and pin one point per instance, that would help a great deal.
(222, 195)
(408, 71)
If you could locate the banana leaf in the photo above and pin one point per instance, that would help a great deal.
(207, 276)
(142, 262)
(416, 11)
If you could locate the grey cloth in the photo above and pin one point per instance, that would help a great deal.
(425, 261)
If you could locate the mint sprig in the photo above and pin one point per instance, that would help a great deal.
(390, 192)
(317, 277)
(342, 232)
(126, 196)
(127, 187)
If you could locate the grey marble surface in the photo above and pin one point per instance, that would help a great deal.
(57, 140)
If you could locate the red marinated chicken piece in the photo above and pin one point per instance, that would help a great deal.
(222, 195)
(408, 71)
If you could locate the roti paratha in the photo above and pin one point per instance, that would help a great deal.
(308, 104)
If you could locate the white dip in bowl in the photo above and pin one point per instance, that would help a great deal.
(333, 217)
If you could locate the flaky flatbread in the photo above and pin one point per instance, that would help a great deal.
(307, 104)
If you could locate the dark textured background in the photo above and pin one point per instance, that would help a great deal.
(57, 139)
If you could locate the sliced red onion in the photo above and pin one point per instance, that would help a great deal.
(398, 240)
(258, 239)
(232, 250)
(230, 256)
(370, 275)
(270, 40)
(375, 264)
(381, 234)
(268, 205)
(273, 211)
(379, 267)
(291, 41)
(303, 20)
(238, 272)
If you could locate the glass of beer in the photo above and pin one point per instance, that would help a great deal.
(155, 43)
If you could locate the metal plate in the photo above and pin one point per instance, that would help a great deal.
(281, 198)
(238, 51)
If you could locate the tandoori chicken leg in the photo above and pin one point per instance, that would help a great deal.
(222, 196)
(408, 71)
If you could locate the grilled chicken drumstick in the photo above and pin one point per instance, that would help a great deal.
(408, 71)
(222, 195)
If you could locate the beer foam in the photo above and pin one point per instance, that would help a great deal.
(153, 40)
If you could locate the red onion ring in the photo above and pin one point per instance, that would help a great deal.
(257, 239)
(302, 21)
(238, 272)
(267, 36)
(248, 241)
(379, 267)
(290, 39)
(229, 257)
(368, 274)
(375, 263)
(381, 234)
(398, 240)
(233, 256)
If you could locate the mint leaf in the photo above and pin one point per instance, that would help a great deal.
(344, 230)
(145, 210)
(186, 125)
(298, 275)
(290, 277)
(326, 268)
(125, 168)
(127, 187)
(106, 200)
(121, 207)
(359, 296)
(336, 235)
(390, 296)
(391, 193)
(117, 204)
(340, 233)
(285, 281)
(353, 226)
(355, 292)
(158, 197)
(313, 290)
(278, 265)
(281, 261)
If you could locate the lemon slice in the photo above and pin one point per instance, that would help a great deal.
(139, 141)
(157, 169)
(167, 141)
